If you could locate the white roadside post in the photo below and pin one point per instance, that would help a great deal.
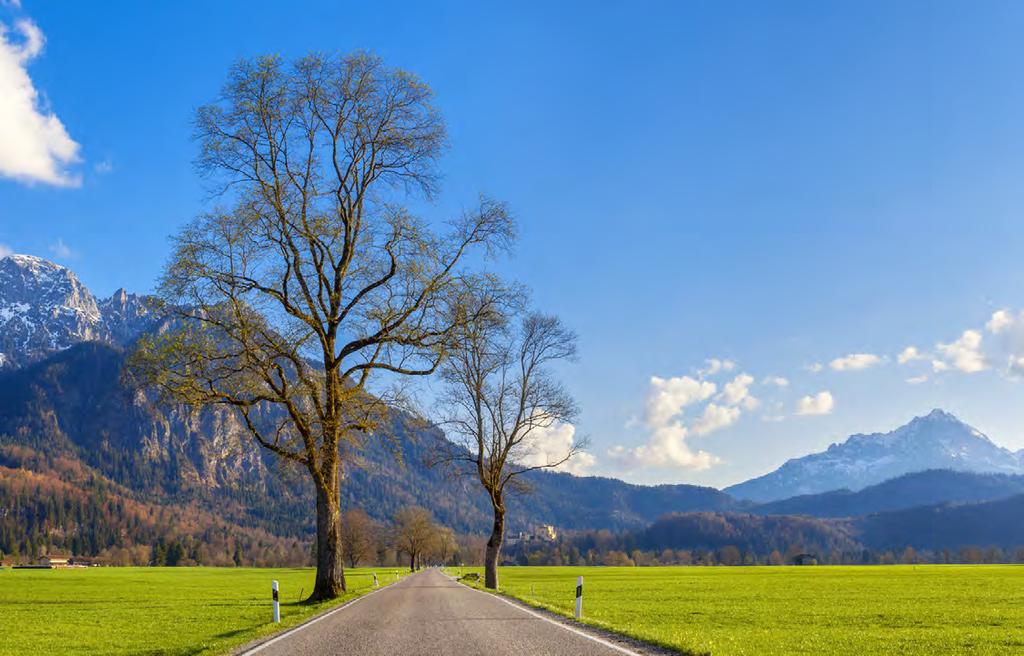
(579, 597)
(277, 605)
(376, 584)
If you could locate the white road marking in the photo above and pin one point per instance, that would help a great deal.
(588, 636)
(264, 645)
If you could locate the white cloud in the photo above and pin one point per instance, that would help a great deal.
(965, 353)
(911, 354)
(550, 444)
(737, 392)
(1000, 321)
(715, 417)
(715, 365)
(103, 167)
(11, 3)
(777, 381)
(5, 250)
(855, 362)
(668, 396)
(917, 380)
(667, 447)
(819, 404)
(1007, 345)
(814, 368)
(61, 250)
(999, 345)
(34, 144)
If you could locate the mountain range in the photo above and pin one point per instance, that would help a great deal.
(936, 441)
(73, 435)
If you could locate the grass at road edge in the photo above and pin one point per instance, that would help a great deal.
(166, 611)
(921, 610)
(559, 614)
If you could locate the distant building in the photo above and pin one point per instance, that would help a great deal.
(805, 559)
(546, 532)
(54, 561)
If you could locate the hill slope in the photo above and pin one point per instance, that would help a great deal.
(947, 526)
(907, 491)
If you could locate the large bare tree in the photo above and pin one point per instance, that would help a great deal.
(503, 404)
(316, 289)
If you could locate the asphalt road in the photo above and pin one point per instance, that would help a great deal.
(430, 614)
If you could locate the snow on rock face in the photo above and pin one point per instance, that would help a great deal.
(936, 441)
(44, 308)
(125, 316)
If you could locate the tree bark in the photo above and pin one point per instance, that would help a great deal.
(330, 568)
(412, 562)
(494, 549)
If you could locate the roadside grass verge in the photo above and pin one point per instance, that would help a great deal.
(173, 611)
(921, 610)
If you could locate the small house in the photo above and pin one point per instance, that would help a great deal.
(54, 561)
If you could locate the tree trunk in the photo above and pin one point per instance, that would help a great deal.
(412, 562)
(494, 549)
(330, 568)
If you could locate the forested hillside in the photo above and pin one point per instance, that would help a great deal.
(75, 409)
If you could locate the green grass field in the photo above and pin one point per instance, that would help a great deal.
(923, 610)
(142, 610)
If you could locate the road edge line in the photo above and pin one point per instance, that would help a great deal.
(274, 638)
(567, 627)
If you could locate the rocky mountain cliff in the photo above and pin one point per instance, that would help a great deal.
(45, 308)
(936, 441)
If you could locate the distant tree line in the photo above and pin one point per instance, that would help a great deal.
(564, 552)
(706, 539)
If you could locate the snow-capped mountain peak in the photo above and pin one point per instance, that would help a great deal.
(937, 440)
(44, 308)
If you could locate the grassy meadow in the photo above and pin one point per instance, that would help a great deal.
(153, 610)
(924, 610)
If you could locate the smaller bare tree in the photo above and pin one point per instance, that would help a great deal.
(445, 545)
(358, 536)
(503, 405)
(413, 532)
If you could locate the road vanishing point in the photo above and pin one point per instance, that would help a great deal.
(430, 614)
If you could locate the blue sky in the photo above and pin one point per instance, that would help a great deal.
(770, 184)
